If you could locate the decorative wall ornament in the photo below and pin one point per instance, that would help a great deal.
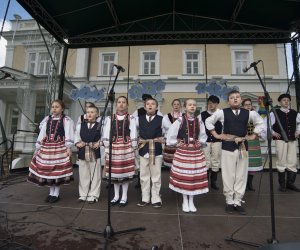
(87, 93)
(213, 87)
(153, 88)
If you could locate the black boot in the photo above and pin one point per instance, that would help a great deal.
(249, 183)
(291, 177)
(281, 180)
(213, 180)
(138, 185)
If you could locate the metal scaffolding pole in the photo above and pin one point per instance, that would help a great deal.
(62, 73)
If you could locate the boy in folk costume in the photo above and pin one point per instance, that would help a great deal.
(87, 140)
(254, 151)
(124, 144)
(286, 152)
(188, 172)
(213, 149)
(136, 114)
(51, 164)
(168, 120)
(150, 151)
(234, 156)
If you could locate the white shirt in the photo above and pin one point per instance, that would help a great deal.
(166, 123)
(68, 127)
(132, 128)
(173, 132)
(272, 119)
(254, 117)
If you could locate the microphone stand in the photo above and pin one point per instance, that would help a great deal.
(108, 232)
(268, 104)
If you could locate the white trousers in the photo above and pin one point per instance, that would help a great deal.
(150, 173)
(212, 154)
(286, 155)
(87, 175)
(234, 175)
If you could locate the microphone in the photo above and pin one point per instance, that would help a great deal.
(251, 66)
(119, 67)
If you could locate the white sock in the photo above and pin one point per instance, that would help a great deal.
(56, 191)
(191, 203)
(124, 191)
(52, 188)
(185, 203)
(117, 191)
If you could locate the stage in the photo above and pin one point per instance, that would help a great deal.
(33, 222)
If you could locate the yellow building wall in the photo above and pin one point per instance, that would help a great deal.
(19, 59)
(218, 59)
(268, 54)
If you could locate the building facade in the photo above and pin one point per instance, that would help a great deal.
(23, 100)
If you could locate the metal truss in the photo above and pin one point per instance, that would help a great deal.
(52, 81)
(203, 37)
(161, 29)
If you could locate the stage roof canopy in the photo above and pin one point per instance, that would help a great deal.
(93, 23)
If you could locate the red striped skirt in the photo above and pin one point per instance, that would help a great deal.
(123, 161)
(188, 173)
(51, 165)
(169, 155)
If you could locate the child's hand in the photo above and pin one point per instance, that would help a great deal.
(80, 144)
(297, 134)
(69, 152)
(96, 145)
(276, 135)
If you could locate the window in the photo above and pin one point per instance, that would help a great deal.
(241, 57)
(149, 63)
(192, 62)
(14, 120)
(38, 63)
(241, 61)
(43, 64)
(107, 63)
(31, 63)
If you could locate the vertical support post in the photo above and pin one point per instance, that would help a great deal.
(62, 73)
(295, 58)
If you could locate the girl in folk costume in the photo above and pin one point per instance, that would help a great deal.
(87, 140)
(188, 172)
(254, 151)
(168, 120)
(51, 164)
(124, 143)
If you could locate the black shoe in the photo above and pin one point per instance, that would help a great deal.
(54, 199)
(229, 208)
(114, 202)
(249, 183)
(49, 197)
(143, 203)
(213, 180)
(281, 180)
(123, 203)
(214, 186)
(291, 178)
(240, 210)
(157, 205)
(292, 187)
(93, 201)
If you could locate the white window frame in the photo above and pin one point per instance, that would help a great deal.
(200, 61)
(37, 53)
(157, 62)
(101, 54)
(241, 48)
